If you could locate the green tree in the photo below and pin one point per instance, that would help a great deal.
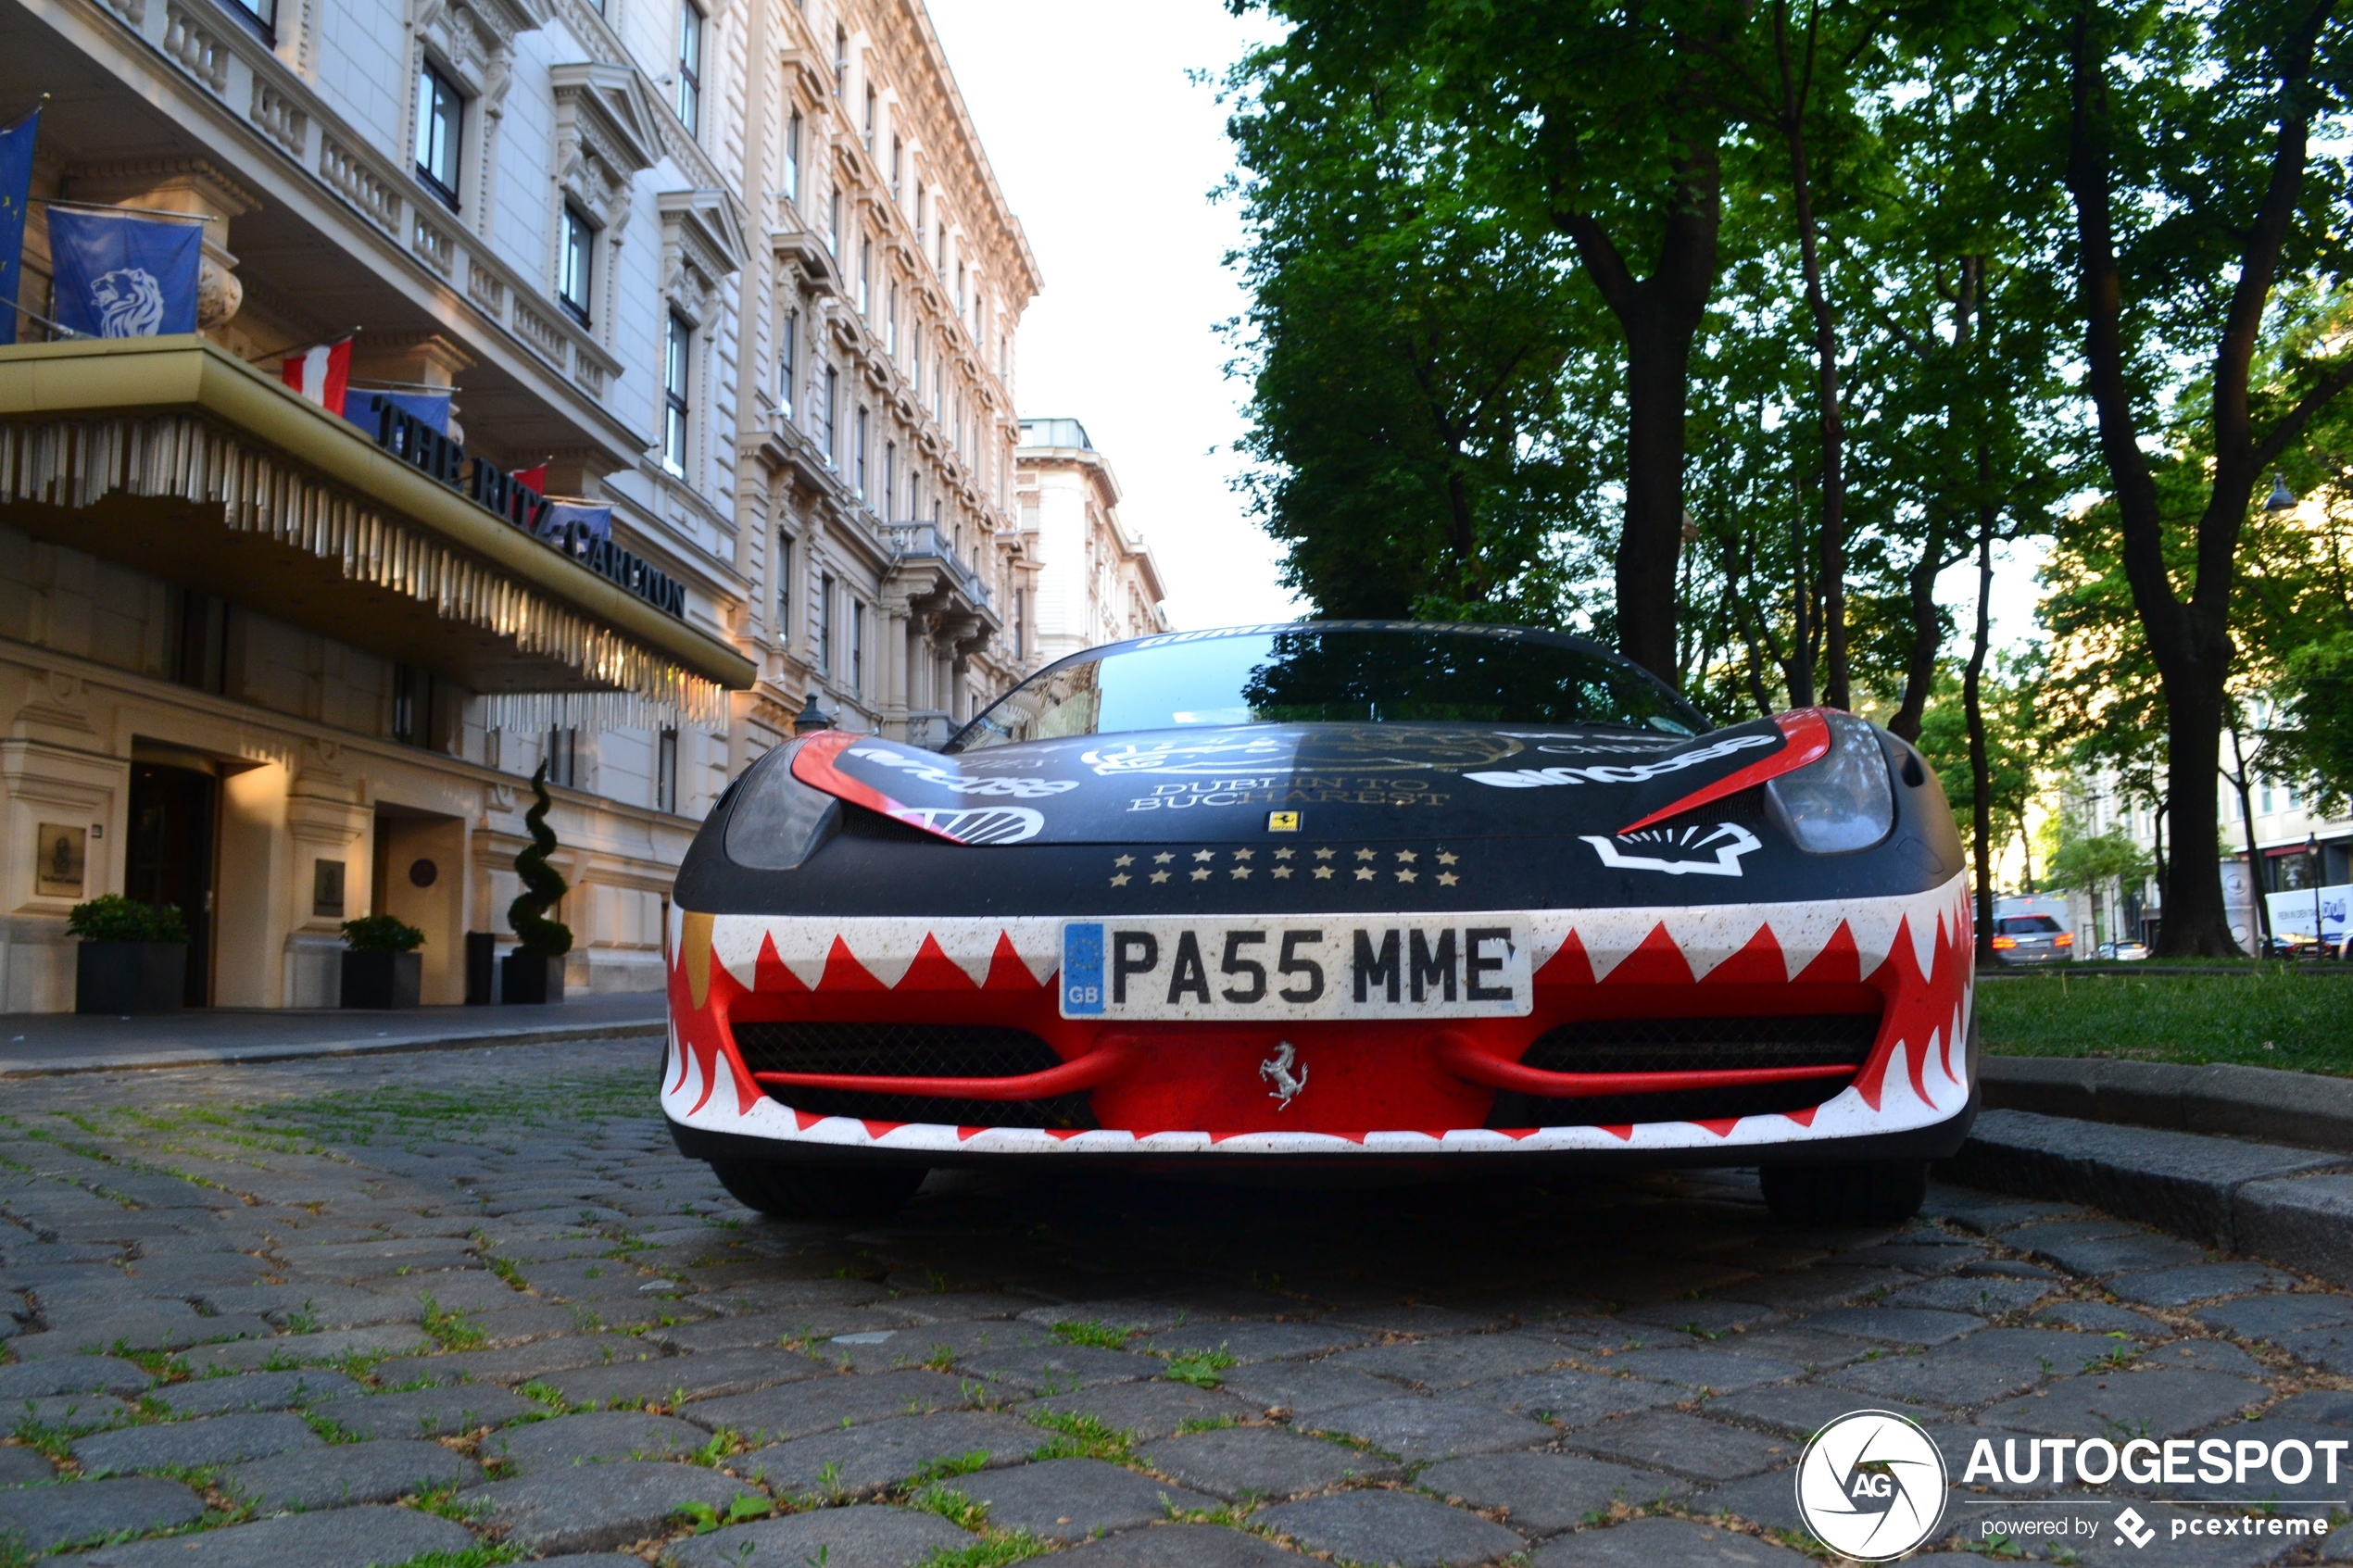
(2185, 138)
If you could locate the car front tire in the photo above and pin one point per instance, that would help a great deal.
(1874, 1193)
(803, 1192)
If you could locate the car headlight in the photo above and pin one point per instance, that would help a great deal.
(1844, 801)
(778, 821)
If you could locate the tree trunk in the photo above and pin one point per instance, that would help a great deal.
(2246, 826)
(1795, 88)
(1980, 765)
(1659, 316)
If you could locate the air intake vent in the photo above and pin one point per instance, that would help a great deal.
(910, 1051)
(1689, 1044)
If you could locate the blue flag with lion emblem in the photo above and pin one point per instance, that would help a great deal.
(118, 276)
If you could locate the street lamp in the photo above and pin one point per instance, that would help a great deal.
(2282, 498)
(812, 718)
(2312, 870)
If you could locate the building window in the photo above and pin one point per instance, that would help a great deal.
(784, 587)
(411, 705)
(890, 477)
(870, 123)
(858, 456)
(563, 755)
(689, 65)
(788, 354)
(576, 266)
(792, 159)
(857, 648)
(960, 291)
(916, 360)
(666, 771)
(1021, 624)
(675, 362)
(821, 630)
(263, 14)
(915, 494)
(833, 228)
(865, 277)
(841, 61)
(890, 323)
(833, 411)
(441, 114)
(897, 161)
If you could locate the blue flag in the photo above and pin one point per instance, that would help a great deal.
(429, 409)
(16, 190)
(118, 276)
(573, 524)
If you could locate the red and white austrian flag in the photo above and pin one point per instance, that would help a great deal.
(320, 373)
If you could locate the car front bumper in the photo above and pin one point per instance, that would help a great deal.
(1412, 1091)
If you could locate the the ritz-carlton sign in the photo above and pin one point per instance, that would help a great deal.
(414, 442)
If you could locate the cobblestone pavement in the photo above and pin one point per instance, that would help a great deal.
(472, 1308)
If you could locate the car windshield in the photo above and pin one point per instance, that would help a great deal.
(1403, 674)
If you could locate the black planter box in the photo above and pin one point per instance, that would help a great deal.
(526, 977)
(383, 980)
(120, 977)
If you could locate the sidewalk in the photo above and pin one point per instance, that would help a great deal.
(63, 1042)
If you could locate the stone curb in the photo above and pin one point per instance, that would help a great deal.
(2305, 1109)
(198, 1056)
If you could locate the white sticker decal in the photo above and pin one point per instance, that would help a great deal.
(979, 824)
(1682, 850)
(1539, 778)
(948, 779)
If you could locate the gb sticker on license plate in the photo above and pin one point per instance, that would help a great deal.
(1357, 966)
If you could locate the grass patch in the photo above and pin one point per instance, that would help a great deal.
(451, 1330)
(744, 1507)
(487, 1556)
(1207, 1423)
(2271, 1016)
(1202, 1369)
(1082, 1436)
(1012, 1545)
(1095, 1332)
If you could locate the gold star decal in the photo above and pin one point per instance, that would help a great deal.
(1284, 854)
(1162, 858)
(1160, 876)
(1281, 872)
(1122, 880)
(1363, 854)
(1201, 873)
(1324, 854)
(1205, 855)
(1407, 856)
(1363, 874)
(1125, 860)
(1324, 873)
(1447, 879)
(1405, 876)
(1244, 854)
(1240, 873)
(1445, 858)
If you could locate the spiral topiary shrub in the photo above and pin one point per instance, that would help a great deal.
(544, 887)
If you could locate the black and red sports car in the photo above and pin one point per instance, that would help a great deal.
(1328, 894)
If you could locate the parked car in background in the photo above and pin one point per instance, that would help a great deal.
(2032, 929)
(2128, 952)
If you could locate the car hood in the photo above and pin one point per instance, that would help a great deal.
(1363, 782)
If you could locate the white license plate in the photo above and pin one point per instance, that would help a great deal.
(1242, 970)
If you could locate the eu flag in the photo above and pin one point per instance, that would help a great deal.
(118, 276)
(16, 189)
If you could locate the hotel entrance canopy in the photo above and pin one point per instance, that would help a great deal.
(171, 457)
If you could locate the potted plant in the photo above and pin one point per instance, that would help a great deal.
(133, 957)
(381, 965)
(535, 971)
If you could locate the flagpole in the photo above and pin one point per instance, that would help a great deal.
(139, 211)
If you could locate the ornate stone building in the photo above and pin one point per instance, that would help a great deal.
(876, 450)
(1095, 580)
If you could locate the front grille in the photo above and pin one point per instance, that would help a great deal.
(1688, 1045)
(910, 1051)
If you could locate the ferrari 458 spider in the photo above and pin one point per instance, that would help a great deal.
(1365, 895)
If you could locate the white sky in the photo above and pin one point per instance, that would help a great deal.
(1107, 154)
